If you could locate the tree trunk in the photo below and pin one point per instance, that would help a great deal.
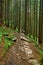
(25, 15)
(0, 12)
(40, 21)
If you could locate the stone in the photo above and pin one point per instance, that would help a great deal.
(34, 62)
(21, 48)
(27, 57)
(14, 39)
(22, 34)
(23, 38)
(31, 56)
(26, 43)
(28, 51)
(26, 46)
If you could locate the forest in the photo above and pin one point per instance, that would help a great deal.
(21, 32)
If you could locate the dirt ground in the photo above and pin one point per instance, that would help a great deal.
(20, 53)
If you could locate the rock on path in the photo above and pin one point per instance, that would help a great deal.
(20, 54)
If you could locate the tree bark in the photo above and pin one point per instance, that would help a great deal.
(25, 15)
(0, 12)
(40, 21)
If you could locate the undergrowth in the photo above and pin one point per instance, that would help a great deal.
(40, 50)
(32, 38)
(8, 34)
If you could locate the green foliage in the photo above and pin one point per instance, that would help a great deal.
(40, 52)
(8, 42)
(32, 38)
(16, 29)
(41, 60)
(8, 35)
(2, 32)
(0, 38)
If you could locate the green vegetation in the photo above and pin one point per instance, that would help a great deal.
(32, 38)
(16, 29)
(0, 38)
(8, 43)
(41, 61)
(8, 34)
(40, 50)
(19, 16)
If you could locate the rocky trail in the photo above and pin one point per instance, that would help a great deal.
(22, 52)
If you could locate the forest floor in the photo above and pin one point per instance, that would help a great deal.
(22, 52)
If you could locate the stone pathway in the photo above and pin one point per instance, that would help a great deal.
(20, 53)
(27, 54)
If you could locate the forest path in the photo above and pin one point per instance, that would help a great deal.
(21, 53)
